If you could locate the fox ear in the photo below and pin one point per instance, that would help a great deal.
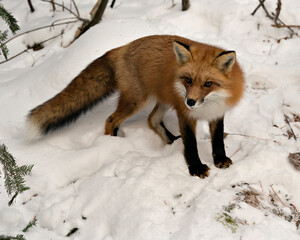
(182, 52)
(224, 61)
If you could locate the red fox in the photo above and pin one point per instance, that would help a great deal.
(199, 81)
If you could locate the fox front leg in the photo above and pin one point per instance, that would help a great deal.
(216, 129)
(196, 167)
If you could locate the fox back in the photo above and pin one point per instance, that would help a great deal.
(199, 79)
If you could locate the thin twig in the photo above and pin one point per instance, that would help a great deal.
(76, 8)
(286, 119)
(265, 9)
(236, 152)
(277, 196)
(112, 3)
(14, 56)
(53, 5)
(30, 5)
(36, 29)
(285, 26)
(69, 10)
(277, 11)
(276, 18)
(28, 48)
(261, 186)
(259, 5)
(248, 136)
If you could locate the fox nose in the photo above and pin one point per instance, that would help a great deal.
(191, 102)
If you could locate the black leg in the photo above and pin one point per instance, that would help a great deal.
(217, 140)
(170, 136)
(115, 133)
(195, 166)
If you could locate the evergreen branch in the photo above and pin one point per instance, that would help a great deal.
(3, 36)
(18, 237)
(3, 47)
(12, 200)
(9, 19)
(30, 224)
(13, 175)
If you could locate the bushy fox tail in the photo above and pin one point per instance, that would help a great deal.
(92, 85)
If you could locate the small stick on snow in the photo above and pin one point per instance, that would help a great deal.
(278, 22)
(236, 152)
(287, 26)
(261, 186)
(286, 119)
(277, 196)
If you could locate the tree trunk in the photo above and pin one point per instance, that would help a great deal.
(30, 5)
(96, 16)
(185, 5)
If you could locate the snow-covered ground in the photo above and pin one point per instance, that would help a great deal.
(136, 187)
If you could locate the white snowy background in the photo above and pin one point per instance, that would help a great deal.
(136, 187)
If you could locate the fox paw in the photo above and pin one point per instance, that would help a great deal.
(172, 139)
(200, 170)
(223, 162)
(121, 133)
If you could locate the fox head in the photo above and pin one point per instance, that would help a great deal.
(203, 78)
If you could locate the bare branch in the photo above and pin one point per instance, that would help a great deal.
(36, 29)
(14, 56)
(76, 8)
(30, 5)
(278, 9)
(53, 5)
(69, 10)
(277, 21)
(112, 4)
(261, 4)
(287, 26)
(31, 47)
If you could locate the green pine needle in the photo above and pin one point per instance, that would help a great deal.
(30, 224)
(12, 23)
(9, 19)
(13, 175)
(18, 237)
(3, 48)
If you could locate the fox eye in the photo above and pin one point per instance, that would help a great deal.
(208, 84)
(188, 80)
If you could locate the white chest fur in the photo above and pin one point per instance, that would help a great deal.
(212, 107)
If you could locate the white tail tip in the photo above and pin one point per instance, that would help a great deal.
(32, 131)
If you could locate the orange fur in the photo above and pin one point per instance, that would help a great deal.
(159, 66)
